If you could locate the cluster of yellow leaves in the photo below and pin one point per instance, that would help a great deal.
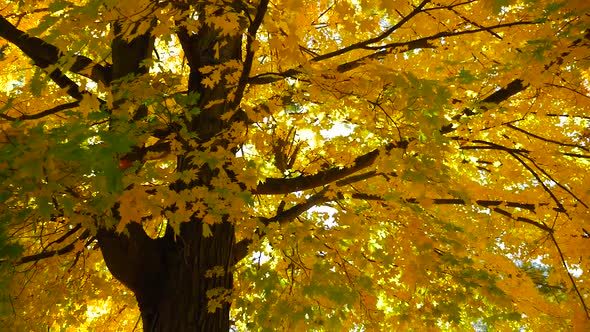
(399, 262)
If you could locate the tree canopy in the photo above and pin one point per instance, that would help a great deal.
(325, 165)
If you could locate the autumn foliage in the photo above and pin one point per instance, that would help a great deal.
(293, 165)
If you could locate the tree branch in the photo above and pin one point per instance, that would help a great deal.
(536, 176)
(296, 210)
(523, 219)
(241, 248)
(247, 66)
(484, 203)
(513, 88)
(493, 205)
(572, 280)
(133, 258)
(446, 34)
(51, 253)
(44, 54)
(266, 78)
(502, 94)
(129, 56)
(550, 177)
(517, 154)
(65, 236)
(528, 133)
(276, 186)
(383, 50)
(42, 114)
(374, 40)
(576, 155)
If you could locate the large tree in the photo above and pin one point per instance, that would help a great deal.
(294, 164)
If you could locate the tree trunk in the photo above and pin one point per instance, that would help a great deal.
(170, 277)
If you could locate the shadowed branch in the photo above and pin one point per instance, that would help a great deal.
(45, 54)
(50, 253)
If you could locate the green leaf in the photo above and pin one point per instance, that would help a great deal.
(247, 197)
(113, 178)
(422, 138)
(38, 82)
(44, 206)
(7, 106)
(46, 22)
(58, 5)
(465, 76)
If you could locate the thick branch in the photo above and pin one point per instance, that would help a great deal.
(296, 210)
(44, 54)
(513, 88)
(503, 94)
(133, 258)
(275, 186)
(129, 56)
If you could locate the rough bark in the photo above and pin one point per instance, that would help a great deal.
(169, 276)
(185, 303)
(137, 261)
